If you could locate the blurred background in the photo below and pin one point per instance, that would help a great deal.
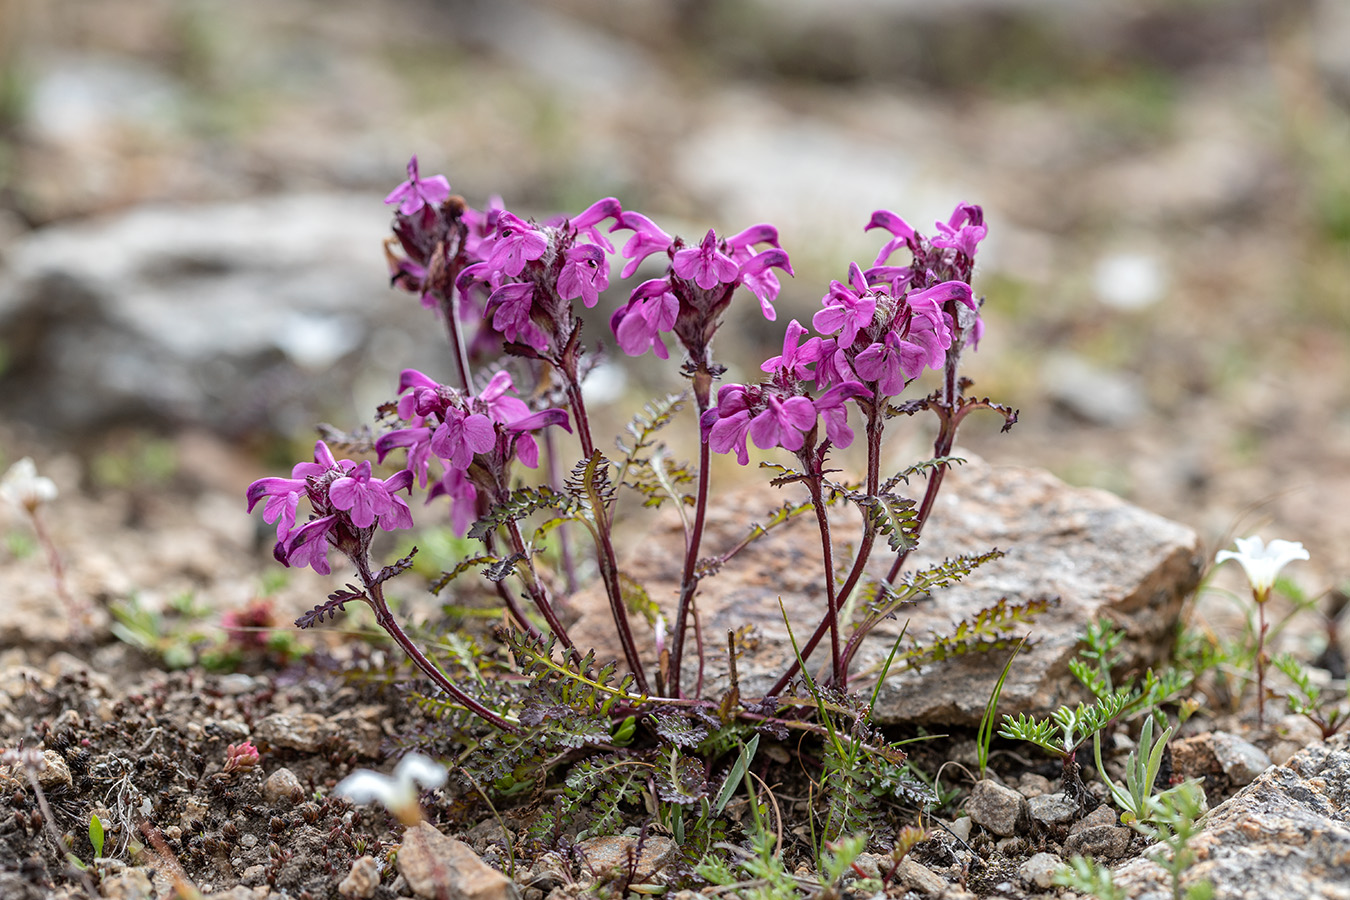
(190, 215)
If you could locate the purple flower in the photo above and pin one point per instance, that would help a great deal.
(783, 424)
(963, 231)
(794, 359)
(832, 366)
(461, 435)
(517, 243)
(525, 448)
(308, 546)
(510, 307)
(755, 275)
(283, 497)
(366, 499)
(584, 274)
(651, 310)
(502, 408)
(597, 212)
(647, 239)
(847, 309)
(904, 235)
(417, 440)
(727, 424)
(417, 192)
(463, 498)
(831, 407)
(888, 364)
(705, 265)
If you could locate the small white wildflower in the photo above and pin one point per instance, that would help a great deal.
(1263, 562)
(25, 488)
(398, 793)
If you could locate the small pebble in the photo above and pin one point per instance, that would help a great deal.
(363, 879)
(283, 785)
(1040, 869)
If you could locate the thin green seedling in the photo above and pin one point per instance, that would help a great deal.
(1087, 876)
(1176, 818)
(96, 834)
(984, 737)
(1306, 698)
(1136, 797)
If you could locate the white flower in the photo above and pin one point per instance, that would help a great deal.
(398, 793)
(25, 488)
(1263, 562)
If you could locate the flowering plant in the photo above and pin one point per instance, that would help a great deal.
(505, 289)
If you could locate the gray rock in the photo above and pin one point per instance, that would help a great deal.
(295, 731)
(441, 868)
(1100, 842)
(283, 785)
(1103, 815)
(1240, 760)
(1052, 809)
(55, 774)
(1286, 836)
(999, 809)
(131, 884)
(233, 317)
(362, 880)
(1101, 396)
(1089, 550)
(614, 852)
(920, 878)
(1040, 869)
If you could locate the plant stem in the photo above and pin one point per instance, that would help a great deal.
(537, 592)
(875, 427)
(689, 578)
(385, 619)
(564, 533)
(609, 566)
(1261, 660)
(840, 675)
(79, 612)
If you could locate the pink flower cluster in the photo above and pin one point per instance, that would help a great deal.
(474, 438)
(529, 273)
(348, 503)
(877, 332)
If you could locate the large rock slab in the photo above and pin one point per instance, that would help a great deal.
(1286, 836)
(259, 315)
(1087, 551)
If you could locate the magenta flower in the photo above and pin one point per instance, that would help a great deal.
(417, 192)
(727, 424)
(832, 366)
(308, 546)
(783, 423)
(830, 406)
(517, 243)
(584, 274)
(283, 498)
(755, 274)
(585, 221)
(848, 308)
(510, 307)
(524, 446)
(502, 408)
(963, 231)
(461, 435)
(904, 234)
(794, 359)
(463, 499)
(647, 239)
(366, 499)
(651, 310)
(417, 440)
(889, 364)
(705, 265)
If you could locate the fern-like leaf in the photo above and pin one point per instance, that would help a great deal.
(337, 600)
(922, 467)
(520, 503)
(472, 562)
(893, 516)
(395, 568)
